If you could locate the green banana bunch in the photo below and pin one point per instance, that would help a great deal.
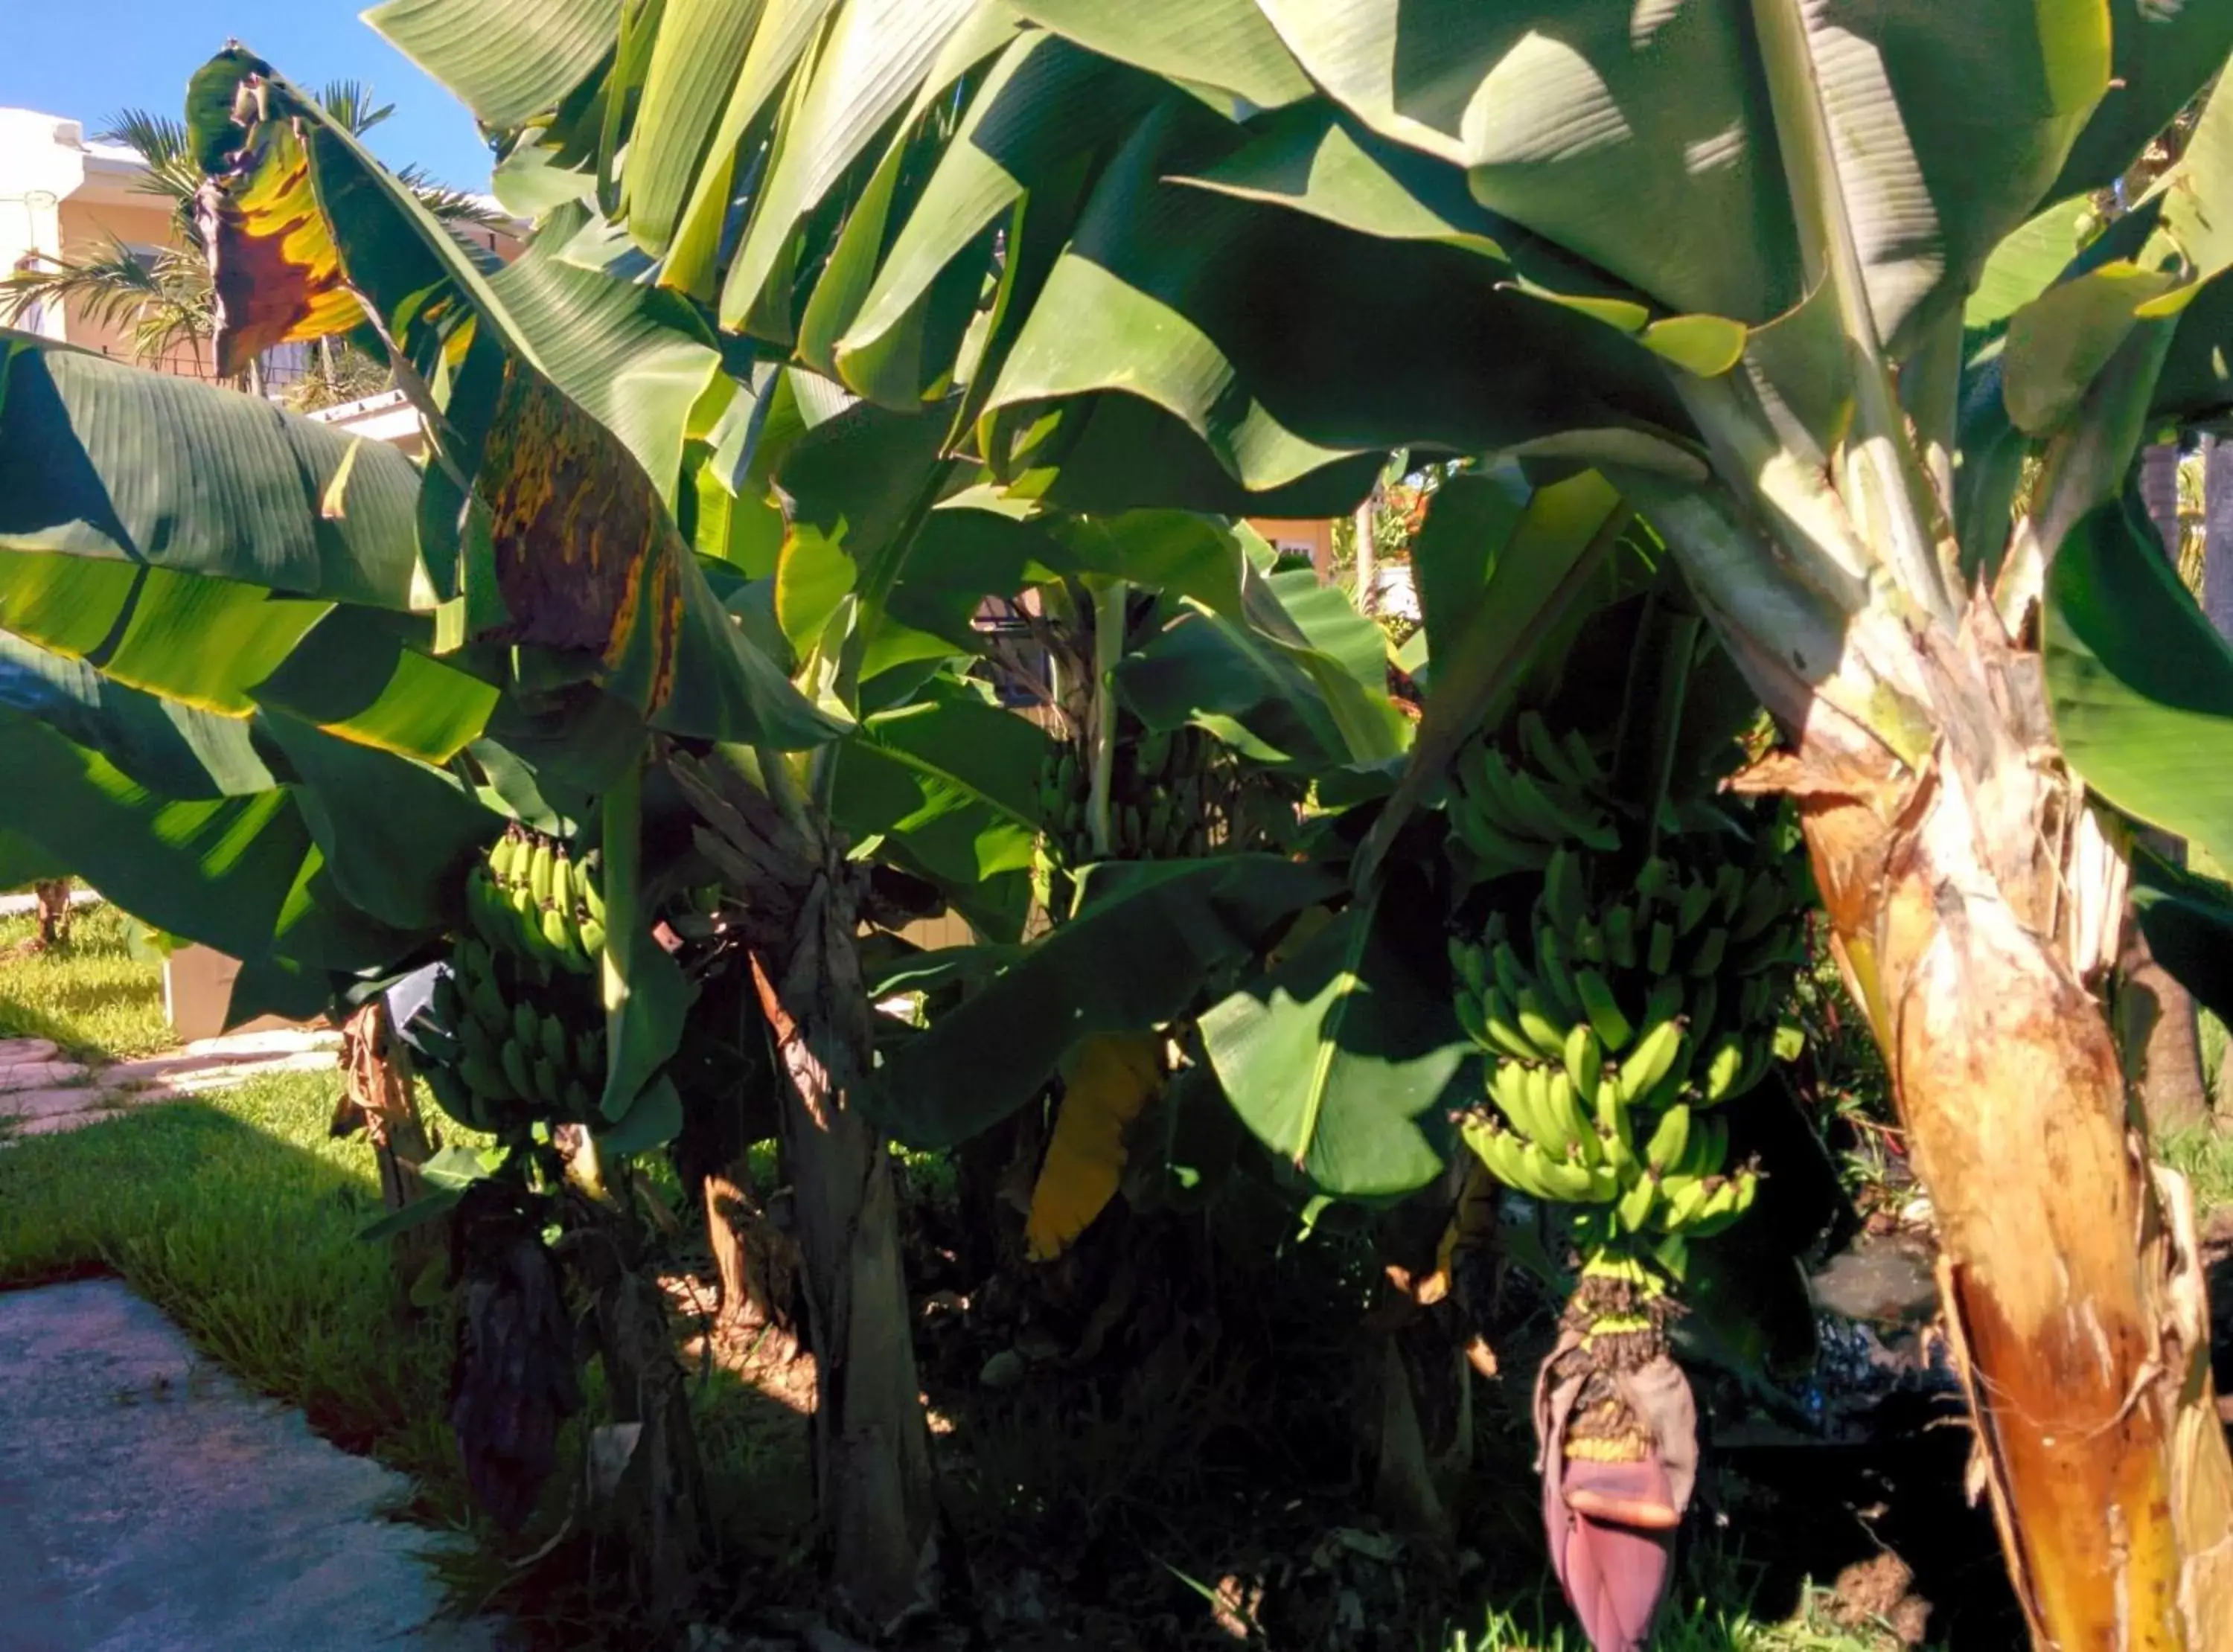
(502, 1053)
(1626, 1008)
(1511, 808)
(1157, 805)
(530, 897)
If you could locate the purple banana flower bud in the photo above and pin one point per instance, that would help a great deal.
(1616, 1548)
(1610, 1526)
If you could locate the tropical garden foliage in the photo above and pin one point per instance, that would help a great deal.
(1787, 558)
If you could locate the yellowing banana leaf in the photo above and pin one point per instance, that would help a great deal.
(1107, 1082)
(273, 264)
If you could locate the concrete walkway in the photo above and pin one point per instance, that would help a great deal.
(148, 1502)
(43, 1091)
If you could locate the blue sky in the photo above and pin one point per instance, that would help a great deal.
(87, 59)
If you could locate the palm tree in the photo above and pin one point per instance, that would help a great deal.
(166, 299)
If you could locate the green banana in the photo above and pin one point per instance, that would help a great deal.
(1500, 1151)
(1619, 926)
(592, 931)
(552, 1036)
(590, 1052)
(1568, 1181)
(1469, 963)
(1508, 1089)
(1590, 942)
(1584, 760)
(1564, 900)
(590, 890)
(540, 868)
(1763, 903)
(1493, 790)
(1660, 955)
(575, 1099)
(1585, 1058)
(1690, 911)
(1653, 1058)
(546, 1082)
(1685, 1198)
(1655, 879)
(1664, 1151)
(1723, 1066)
(1707, 959)
(1502, 1022)
(513, 1058)
(1512, 976)
(1561, 817)
(1635, 1206)
(491, 918)
(1613, 1029)
(1466, 1005)
(1616, 1130)
(1576, 1121)
(1538, 1027)
(1558, 980)
(1664, 1001)
(1563, 1123)
(1546, 752)
(1728, 889)
(1498, 850)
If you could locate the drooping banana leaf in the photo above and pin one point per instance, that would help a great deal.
(1137, 953)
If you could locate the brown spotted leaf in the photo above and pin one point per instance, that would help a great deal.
(272, 258)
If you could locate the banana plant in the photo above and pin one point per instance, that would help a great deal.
(1787, 279)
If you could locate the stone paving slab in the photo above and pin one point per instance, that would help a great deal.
(149, 1503)
(42, 1092)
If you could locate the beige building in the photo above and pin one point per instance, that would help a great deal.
(63, 196)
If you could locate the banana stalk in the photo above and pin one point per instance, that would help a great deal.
(1108, 603)
(623, 848)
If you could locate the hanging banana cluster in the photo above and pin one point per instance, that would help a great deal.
(531, 898)
(1157, 805)
(1511, 812)
(519, 1033)
(1617, 1024)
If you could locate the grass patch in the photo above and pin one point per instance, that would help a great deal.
(91, 997)
(2204, 1157)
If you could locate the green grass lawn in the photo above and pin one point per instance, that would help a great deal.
(91, 997)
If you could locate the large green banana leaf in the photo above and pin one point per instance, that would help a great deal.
(1344, 1060)
(2139, 683)
(1148, 938)
(244, 874)
(949, 783)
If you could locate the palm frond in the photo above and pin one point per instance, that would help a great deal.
(172, 172)
(163, 300)
(350, 103)
(452, 206)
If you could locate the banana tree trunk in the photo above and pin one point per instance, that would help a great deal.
(801, 899)
(53, 900)
(2155, 1021)
(377, 1098)
(872, 1444)
(2068, 1266)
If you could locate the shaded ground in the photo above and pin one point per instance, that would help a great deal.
(148, 1502)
